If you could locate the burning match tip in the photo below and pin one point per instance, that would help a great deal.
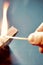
(6, 3)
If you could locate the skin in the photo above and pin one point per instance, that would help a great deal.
(36, 38)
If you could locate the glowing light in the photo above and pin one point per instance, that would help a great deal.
(4, 27)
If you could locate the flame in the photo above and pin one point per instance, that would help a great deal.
(4, 27)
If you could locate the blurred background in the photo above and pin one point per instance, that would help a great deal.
(26, 16)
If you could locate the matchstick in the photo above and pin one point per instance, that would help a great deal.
(5, 41)
(17, 38)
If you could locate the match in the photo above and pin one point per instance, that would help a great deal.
(17, 38)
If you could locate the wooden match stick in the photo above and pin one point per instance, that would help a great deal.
(17, 38)
(5, 41)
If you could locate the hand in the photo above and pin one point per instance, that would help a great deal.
(36, 38)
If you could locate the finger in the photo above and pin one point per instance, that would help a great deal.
(35, 38)
(31, 38)
(41, 49)
(40, 28)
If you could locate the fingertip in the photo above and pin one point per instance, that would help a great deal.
(31, 38)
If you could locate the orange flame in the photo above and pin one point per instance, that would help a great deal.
(4, 27)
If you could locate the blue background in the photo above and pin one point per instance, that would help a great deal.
(26, 16)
